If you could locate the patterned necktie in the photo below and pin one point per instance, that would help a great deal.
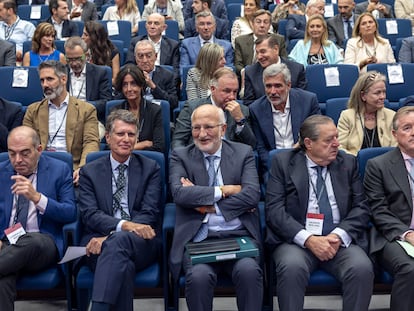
(120, 191)
(323, 202)
(349, 29)
(202, 233)
(22, 210)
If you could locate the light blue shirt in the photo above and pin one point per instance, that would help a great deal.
(18, 33)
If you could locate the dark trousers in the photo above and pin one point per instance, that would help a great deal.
(33, 252)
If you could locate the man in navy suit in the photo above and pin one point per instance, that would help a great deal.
(267, 53)
(119, 201)
(37, 193)
(317, 217)
(59, 18)
(190, 47)
(11, 116)
(277, 117)
(168, 50)
(224, 203)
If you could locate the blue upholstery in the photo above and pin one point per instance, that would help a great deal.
(334, 107)
(80, 25)
(171, 32)
(233, 12)
(281, 28)
(404, 29)
(24, 11)
(120, 46)
(124, 29)
(365, 154)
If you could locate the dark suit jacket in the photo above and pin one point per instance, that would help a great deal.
(237, 168)
(89, 12)
(243, 50)
(95, 195)
(295, 26)
(11, 116)
(170, 52)
(167, 86)
(218, 8)
(362, 7)
(182, 134)
(54, 180)
(7, 53)
(287, 197)
(336, 30)
(302, 105)
(222, 28)
(389, 195)
(69, 28)
(253, 83)
(406, 54)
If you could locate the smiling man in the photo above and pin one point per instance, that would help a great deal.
(317, 217)
(277, 117)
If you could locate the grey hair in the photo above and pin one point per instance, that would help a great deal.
(310, 128)
(275, 69)
(59, 68)
(122, 115)
(75, 41)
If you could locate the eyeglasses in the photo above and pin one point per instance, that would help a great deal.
(75, 59)
(207, 128)
(144, 55)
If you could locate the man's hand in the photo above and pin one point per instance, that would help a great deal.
(409, 237)
(229, 190)
(76, 176)
(234, 108)
(206, 209)
(185, 182)
(95, 245)
(148, 80)
(23, 186)
(323, 247)
(144, 231)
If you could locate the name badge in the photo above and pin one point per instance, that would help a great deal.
(14, 233)
(314, 223)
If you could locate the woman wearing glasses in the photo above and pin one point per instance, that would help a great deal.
(366, 45)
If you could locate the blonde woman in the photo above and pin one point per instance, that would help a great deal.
(315, 48)
(126, 10)
(366, 123)
(210, 58)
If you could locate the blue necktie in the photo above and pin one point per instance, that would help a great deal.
(119, 193)
(349, 29)
(22, 210)
(202, 233)
(323, 202)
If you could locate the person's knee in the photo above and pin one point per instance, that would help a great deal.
(201, 276)
(406, 270)
(247, 270)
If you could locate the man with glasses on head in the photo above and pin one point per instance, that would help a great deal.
(63, 122)
(190, 47)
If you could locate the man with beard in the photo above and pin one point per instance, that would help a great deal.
(341, 25)
(64, 123)
(277, 116)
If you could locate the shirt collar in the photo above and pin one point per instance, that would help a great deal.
(115, 163)
(64, 103)
(217, 153)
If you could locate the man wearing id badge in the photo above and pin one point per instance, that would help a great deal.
(36, 200)
(317, 218)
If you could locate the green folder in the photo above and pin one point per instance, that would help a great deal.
(221, 250)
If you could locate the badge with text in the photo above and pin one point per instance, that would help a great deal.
(14, 232)
(314, 223)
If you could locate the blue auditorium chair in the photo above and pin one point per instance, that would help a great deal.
(334, 107)
(24, 12)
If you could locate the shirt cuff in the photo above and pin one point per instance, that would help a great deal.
(301, 237)
(345, 237)
(217, 194)
(119, 225)
(42, 204)
(239, 128)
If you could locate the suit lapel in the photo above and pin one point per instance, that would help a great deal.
(71, 120)
(89, 73)
(42, 174)
(300, 179)
(267, 123)
(133, 183)
(338, 180)
(295, 114)
(398, 172)
(200, 176)
(165, 49)
(44, 123)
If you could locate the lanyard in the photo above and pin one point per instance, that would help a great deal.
(8, 31)
(57, 131)
(283, 137)
(80, 90)
(319, 195)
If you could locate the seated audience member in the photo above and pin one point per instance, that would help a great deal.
(244, 52)
(406, 54)
(376, 8)
(160, 83)
(223, 88)
(190, 47)
(315, 48)
(388, 183)
(210, 59)
(37, 193)
(366, 45)
(125, 10)
(277, 117)
(217, 7)
(286, 8)
(168, 50)
(82, 10)
(267, 53)
(13, 28)
(7, 53)
(221, 26)
(404, 9)
(59, 18)
(119, 202)
(169, 9)
(11, 116)
(227, 201)
(341, 25)
(296, 24)
(86, 81)
(366, 123)
(131, 83)
(64, 123)
(43, 46)
(101, 50)
(318, 218)
(243, 25)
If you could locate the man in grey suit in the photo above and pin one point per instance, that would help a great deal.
(341, 25)
(389, 187)
(82, 10)
(317, 217)
(224, 86)
(406, 54)
(215, 187)
(376, 8)
(7, 53)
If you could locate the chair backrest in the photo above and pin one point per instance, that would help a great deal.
(124, 32)
(398, 45)
(334, 107)
(25, 12)
(25, 95)
(80, 25)
(171, 32)
(62, 156)
(233, 11)
(120, 46)
(291, 45)
(140, 4)
(110, 104)
(403, 27)
(315, 75)
(368, 153)
(281, 27)
(109, 75)
(165, 113)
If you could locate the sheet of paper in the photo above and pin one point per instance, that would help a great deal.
(331, 76)
(329, 10)
(409, 249)
(112, 28)
(20, 77)
(73, 252)
(35, 12)
(392, 27)
(395, 74)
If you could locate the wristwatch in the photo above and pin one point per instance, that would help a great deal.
(241, 122)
